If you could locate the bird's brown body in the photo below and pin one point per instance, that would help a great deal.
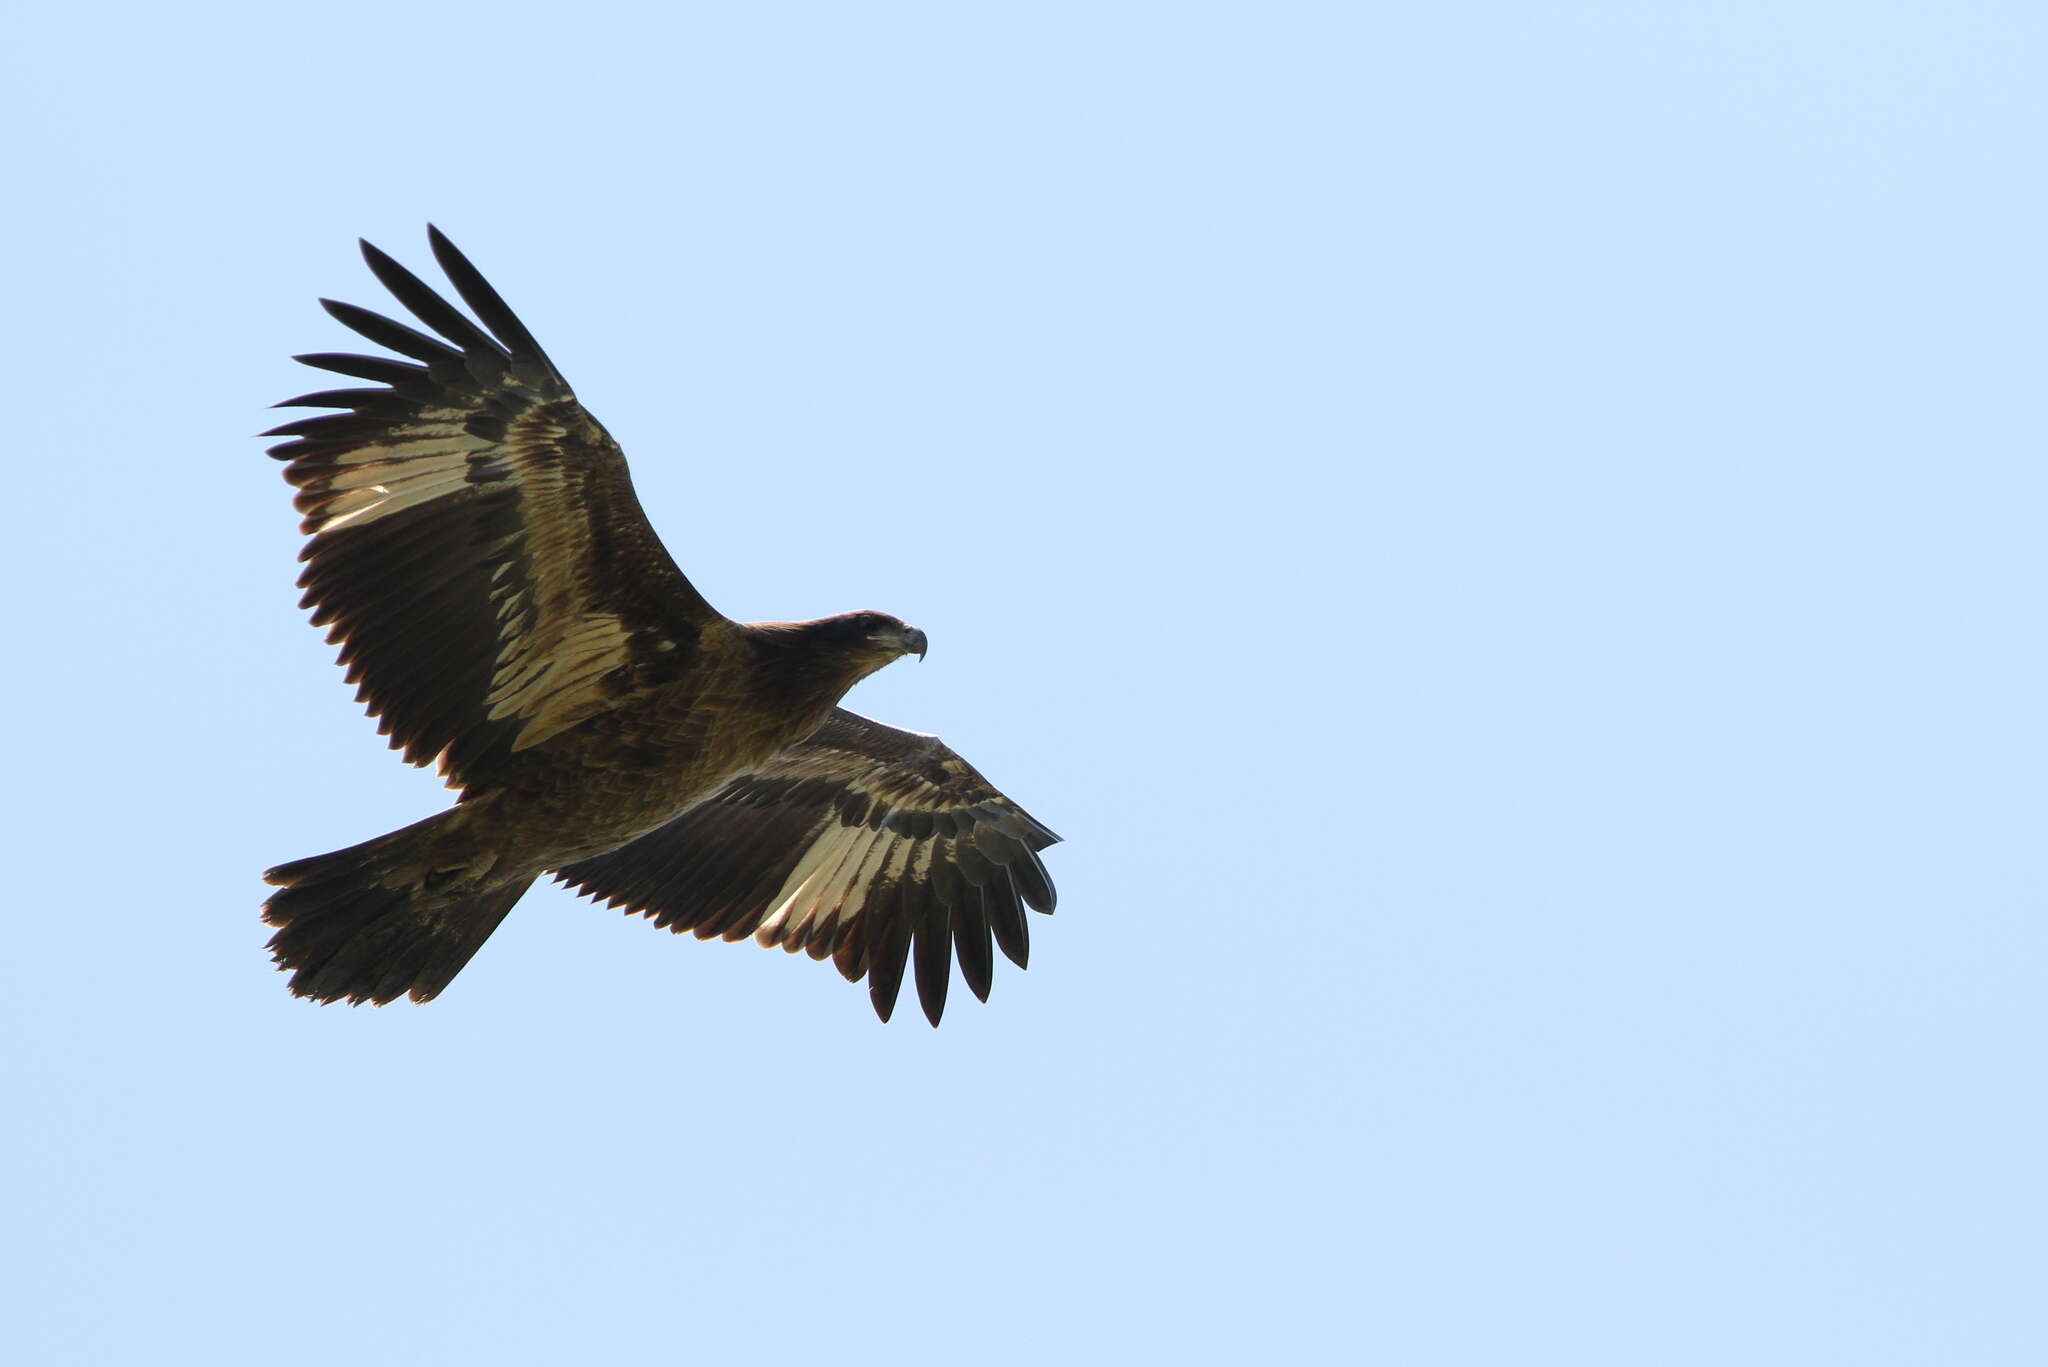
(477, 549)
(624, 772)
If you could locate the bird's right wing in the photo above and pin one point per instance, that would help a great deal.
(868, 844)
(474, 542)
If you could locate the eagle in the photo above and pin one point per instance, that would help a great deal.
(507, 613)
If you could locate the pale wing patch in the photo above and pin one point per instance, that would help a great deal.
(550, 654)
(793, 903)
(547, 672)
(841, 897)
(548, 681)
(890, 860)
(831, 883)
(375, 481)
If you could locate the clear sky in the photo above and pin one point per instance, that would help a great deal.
(1507, 537)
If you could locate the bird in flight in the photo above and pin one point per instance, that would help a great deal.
(508, 614)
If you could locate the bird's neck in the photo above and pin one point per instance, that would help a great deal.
(806, 676)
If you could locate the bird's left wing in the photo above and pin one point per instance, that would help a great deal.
(873, 846)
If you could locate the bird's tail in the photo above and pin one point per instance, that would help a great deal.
(365, 924)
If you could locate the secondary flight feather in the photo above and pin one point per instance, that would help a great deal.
(509, 615)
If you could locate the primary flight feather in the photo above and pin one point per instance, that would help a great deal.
(508, 614)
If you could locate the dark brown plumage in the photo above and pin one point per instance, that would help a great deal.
(506, 611)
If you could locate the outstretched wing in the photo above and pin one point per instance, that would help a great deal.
(475, 543)
(868, 844)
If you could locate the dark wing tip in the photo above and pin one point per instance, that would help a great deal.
(488, 304)
(932, 966)
(429, 307)
(387, 332)
(1035, 883)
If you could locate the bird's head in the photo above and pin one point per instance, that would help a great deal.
(872, 636)
(838, 650)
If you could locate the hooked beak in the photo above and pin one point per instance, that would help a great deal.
(913, 642)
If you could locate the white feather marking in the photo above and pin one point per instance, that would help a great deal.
(764, 934)
(817, 861)
(412, 493)
(395, 471)
(533, 671)
(328, 524)
(827, 895)
(887, 859)
(821, 898)
(370, 502)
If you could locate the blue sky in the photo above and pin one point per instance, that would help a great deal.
(1506, 537)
